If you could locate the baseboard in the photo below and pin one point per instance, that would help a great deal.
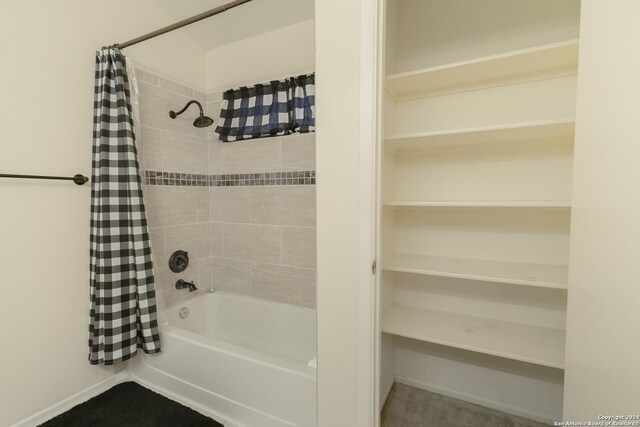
(188, 403)
(543, 418)
(207, 412)
(385, 395)
(73, 400)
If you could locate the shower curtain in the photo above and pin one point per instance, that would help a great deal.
(123, 314)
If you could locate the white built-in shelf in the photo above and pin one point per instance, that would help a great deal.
(539, 62)
(517, 341)
(529, 131)
(526, 204)
(516, 273)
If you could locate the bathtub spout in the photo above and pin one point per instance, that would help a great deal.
(183, 284)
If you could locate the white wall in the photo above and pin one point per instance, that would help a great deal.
(602, 362)
(287, 51)
(46, 84)
(345, 190)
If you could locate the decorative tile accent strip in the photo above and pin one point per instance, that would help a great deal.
(229, 180)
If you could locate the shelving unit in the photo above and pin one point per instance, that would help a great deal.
(535, 63)
(546, 276)
(475, 206)
(526, 343)
(533, 204)
(528, 131)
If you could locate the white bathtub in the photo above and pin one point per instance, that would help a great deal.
(245, 361)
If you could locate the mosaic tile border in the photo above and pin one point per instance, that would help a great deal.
(179, 179)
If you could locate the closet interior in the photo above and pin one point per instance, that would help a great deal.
(476, 170)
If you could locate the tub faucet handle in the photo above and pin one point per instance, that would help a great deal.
(183, 284)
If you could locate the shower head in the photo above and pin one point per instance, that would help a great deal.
(201, 121)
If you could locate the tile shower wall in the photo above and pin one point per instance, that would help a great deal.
(245, 211)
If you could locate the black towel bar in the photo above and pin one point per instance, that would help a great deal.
(77, 179)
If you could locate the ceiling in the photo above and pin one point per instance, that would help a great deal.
(247, 20)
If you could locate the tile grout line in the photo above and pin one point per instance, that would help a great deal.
(224, 246)
(265, 263)
(192, 96)
(251, 205)
(281, 245)
(251, 279)
(161, 150)
(174, 132)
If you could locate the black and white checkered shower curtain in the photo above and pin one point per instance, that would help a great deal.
(123, 306)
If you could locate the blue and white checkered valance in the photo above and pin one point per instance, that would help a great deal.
(279, 107)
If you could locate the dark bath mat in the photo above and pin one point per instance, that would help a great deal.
(130, 405)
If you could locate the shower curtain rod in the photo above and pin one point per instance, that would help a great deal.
(183, 23)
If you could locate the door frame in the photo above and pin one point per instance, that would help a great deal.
(371, 122)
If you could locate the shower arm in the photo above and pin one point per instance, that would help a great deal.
(174, 114)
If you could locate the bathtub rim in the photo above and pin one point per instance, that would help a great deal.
(240, 297)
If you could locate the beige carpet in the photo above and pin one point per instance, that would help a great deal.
(412, 407)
